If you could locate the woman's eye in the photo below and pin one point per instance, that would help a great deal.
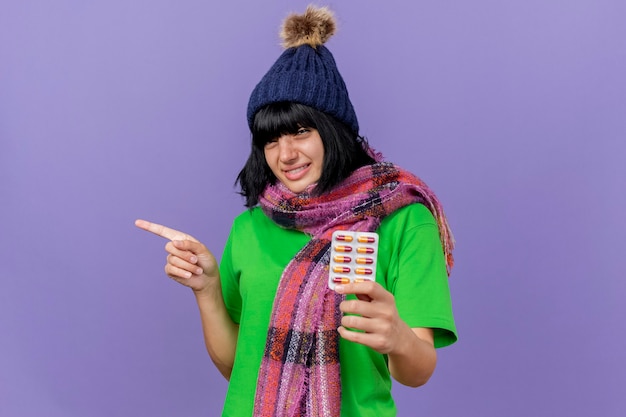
(302, 131)
(271, 143)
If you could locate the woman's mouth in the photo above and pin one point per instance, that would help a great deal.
(296, 173)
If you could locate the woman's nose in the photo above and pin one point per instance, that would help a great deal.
(287, 149)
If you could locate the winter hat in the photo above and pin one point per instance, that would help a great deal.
(306, 72)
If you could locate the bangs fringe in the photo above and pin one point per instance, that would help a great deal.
(282, 118)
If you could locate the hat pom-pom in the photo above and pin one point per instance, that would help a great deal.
(313, 28)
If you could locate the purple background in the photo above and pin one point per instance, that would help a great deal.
(513, 111)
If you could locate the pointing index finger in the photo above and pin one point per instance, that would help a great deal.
(162, 231)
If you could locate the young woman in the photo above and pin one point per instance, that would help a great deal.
(288, 344)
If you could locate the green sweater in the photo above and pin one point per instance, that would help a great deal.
(410, 265)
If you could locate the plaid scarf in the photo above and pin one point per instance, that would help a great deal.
(300, 372)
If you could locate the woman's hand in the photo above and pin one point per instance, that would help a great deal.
(193, 265)
(375, 321)
(374, 313)
(189, 262)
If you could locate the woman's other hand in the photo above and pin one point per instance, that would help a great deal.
(373, 320)
(189, 262)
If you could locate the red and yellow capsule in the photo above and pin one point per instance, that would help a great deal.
(364, 249)
(366, 239)
(360, 280)
(341, 280)
(341, 269)
(363, 271)
(342, 259)
(364, 261)
(343, 248)
(344, 238)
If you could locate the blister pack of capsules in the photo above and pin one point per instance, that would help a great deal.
(352, 257)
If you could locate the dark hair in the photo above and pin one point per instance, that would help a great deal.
(344, 150)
